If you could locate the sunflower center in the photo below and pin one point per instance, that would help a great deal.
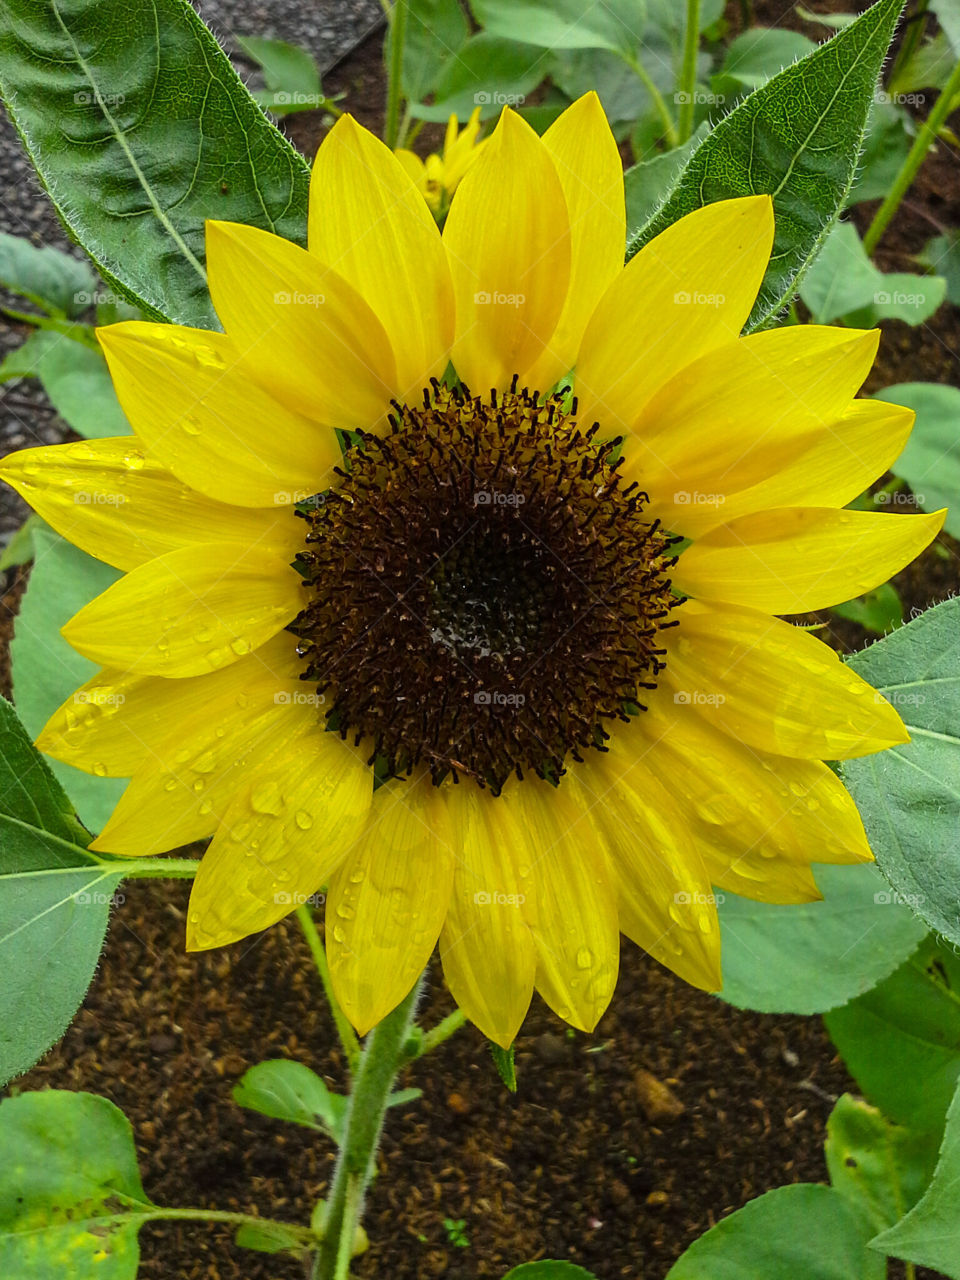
(486, 592)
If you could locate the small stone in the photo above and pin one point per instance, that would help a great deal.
(458, 1104)
(553, 1049)
(162, 1043)
(790, 1058)
(658, 1100)
(658, 1199)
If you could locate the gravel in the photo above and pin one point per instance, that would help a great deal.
(329, 29)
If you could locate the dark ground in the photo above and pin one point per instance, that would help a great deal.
(572, 1166)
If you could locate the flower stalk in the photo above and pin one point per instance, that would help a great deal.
(348, 1037)
(398, 30)
(381, 1059)
(688, 73)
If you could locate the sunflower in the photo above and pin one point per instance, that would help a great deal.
(504, 670)
(438, 176)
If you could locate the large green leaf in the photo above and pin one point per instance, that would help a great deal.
(564, 24)
(140, 129)
(46, 670)
(71, 1199)
(796, 138)
(290, 74)
(815, 955)
(883, 1168)
(646, 183)
(54, 902)
(901, 1041)
(76, 380)
(435, 33)
(909, 796)
(549, 1271)
(801, 1232)
(488, 72)
(930, 463)
(930, 1233)
(844, 282)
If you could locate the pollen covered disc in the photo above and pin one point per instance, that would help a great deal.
(485, 589)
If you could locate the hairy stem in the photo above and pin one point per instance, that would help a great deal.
(348, 1037)
(398, 30)
(380, 1061)
(926, 134)
(639, 70)
(688, 73)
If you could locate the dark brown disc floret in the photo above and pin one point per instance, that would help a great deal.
(486, 591)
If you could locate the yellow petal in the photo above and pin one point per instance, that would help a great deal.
(413, 167)
(844, 459)
(119, 721)
(370, 223)
(187, 613)
(193, 404)
(758, 404)
(664, 898)
(758, 820)
(387, 902)
(287, 828)
(576, 931)
(772, 686)
(587, 160)
(183, 789)
(795, 559)
(114, 502)
(303, 331)
(508, 240)
(488, 953)
(685, 293)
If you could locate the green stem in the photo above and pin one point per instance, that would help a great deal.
(152, 868)
(348, 1037)
(381, 1060)
(223, 1215)
(746, 13)
(913, 33)
(925, 135)
(639, 70)
(442, 1031)
(398, 31)
(688, 72)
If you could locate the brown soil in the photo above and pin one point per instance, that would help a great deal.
(571, 1166)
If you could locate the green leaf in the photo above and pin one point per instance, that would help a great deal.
(901, 1041)
(78, 384)
(46, 671)
(909, 796)
(272, 1237)
(930, 463)
(71, 1199)
(879, 611)
(436, 31)
(24, 361)
(948, 16)
(137, 151)
(930, 1233)
(287, 1090)
(881, 1167)
(54, 903)
(549, 1271)
(564, 24)
(928, 67)
(760, 52)
(488, 73)
(797, 138)
(645, 184)
(803, 1231)
(289, 73)
(835, 20)
(844, 282)
(19, 550)
(506, 1065)
(48, 277)
(813, 956)
(942, 256)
